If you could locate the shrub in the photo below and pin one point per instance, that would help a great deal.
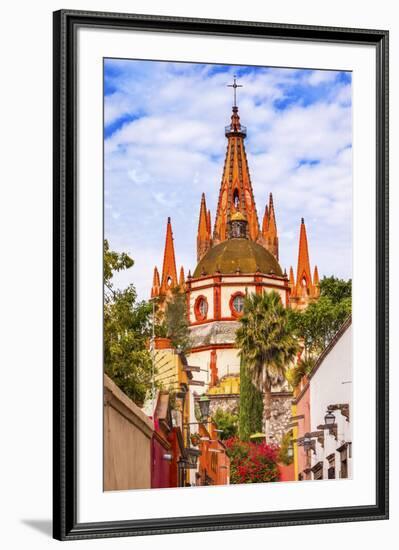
(252, 462)
(226, 421)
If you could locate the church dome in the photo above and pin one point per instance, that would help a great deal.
(238, 255)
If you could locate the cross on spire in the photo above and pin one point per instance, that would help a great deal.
(235, 86)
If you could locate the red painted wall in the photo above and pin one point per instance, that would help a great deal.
(287, 473)
(160, 468)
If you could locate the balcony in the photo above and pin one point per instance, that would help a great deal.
(231, 130)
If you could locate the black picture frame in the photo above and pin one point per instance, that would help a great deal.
(66, 527)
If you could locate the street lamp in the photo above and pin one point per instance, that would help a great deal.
(307, 440)
(204, 404)
(329, 419)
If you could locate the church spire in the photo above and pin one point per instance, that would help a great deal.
(235, 194)
(269, 229)
(265, 222)
(292, 281)
(169, 274)
(204, 233)
(316, 281)
(304, 286)
(155, 283)
(181, 279)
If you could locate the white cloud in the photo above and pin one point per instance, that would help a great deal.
(158, 164)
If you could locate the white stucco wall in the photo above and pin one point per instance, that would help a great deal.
(200, 359)
(235, 284)
(208, 293)
(226, 294)
(227, 361)
(332, 384)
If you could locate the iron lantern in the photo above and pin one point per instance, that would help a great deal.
(204, 404)
(329, 419)
(307, 440)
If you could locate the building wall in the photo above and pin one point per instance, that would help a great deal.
(302, 412)
(280, 408)
(280, 415)
(332, 381)
(227, 361)
(166, 365)
(160, 468)
(286, 472)
(228, 287)
(228, 291)
(208, 294)
(331, 384)
(127, 442)
(213, 463)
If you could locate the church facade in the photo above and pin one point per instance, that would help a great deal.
(238, 256)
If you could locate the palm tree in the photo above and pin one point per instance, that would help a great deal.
(266, 344)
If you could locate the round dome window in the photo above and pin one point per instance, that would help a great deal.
(237, 304)
(201, 308)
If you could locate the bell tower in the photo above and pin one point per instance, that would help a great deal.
(235, 194)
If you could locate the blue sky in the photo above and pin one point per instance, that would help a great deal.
(165, 145)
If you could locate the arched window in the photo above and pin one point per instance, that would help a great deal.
(236, 199)
(237, 304)
(305, 289)
(201, 308)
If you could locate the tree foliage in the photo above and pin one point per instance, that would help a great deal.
(302, 368)
(267, 346)
(319, 322)
(336, 289)
(227, 422)
(251, 405)
(114, 261)
(127, 328)
(176, 322)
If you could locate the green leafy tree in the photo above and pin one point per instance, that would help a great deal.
(127, 328)
(114, 261)
(302, 368)
(336, 289)
(176, 322)
(227, 422)
(320, 321)
(267, 346)
(251, 405)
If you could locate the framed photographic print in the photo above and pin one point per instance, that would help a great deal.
(220, 274)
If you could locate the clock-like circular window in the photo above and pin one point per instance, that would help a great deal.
(201, 308)
(237, 304)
